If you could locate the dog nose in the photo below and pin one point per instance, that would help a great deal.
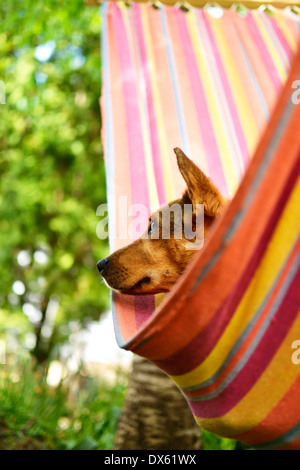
(101, 264)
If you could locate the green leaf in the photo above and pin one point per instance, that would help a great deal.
(87, 444)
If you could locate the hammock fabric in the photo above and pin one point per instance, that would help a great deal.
(210, 86)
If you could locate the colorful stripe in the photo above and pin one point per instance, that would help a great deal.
(210, 86)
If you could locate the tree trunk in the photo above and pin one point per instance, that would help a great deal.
(155, 415)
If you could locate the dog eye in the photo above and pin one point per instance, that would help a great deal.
(152, 227)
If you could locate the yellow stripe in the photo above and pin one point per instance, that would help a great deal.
(280, 19)
(169, 187)
(263, 396)
(270, 46)
(278, 250)
(238, 90)
(224, 149)
(159, 298)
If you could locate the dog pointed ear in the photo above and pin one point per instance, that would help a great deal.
(201, 189)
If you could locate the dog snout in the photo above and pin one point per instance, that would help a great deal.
(101, 264)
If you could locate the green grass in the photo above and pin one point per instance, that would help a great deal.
(80, 413)
(213, 442)
(33, 413)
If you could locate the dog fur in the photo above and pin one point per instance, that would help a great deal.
(152, 265)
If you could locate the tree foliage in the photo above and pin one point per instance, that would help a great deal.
(51, 170)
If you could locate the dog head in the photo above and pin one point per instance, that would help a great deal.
(153, 263)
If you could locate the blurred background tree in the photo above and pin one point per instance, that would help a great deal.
(51, 172)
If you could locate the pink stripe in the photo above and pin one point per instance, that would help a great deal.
(156, 154)
(138, 174)
(263, 51)
(227, 90)
(144, 306)
(281, 37)
(214, 164)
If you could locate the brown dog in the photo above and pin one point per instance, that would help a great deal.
(152, 264)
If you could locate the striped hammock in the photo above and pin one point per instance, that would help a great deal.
(211, 81)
